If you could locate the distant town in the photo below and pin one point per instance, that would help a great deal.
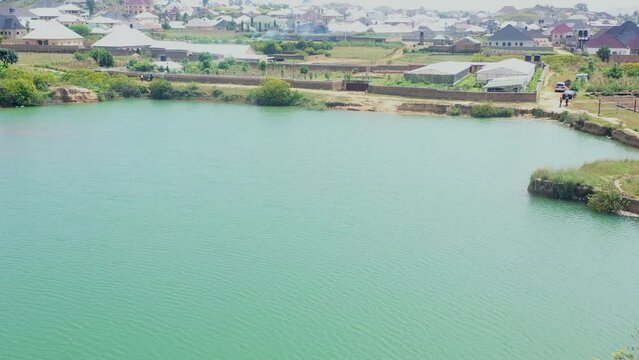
(542, 56)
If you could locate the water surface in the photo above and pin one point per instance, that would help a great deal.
(146, 230)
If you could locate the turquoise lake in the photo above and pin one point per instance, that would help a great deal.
(168, 230)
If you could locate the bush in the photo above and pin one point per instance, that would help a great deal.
(81, 55)
(274, 92)
(142, 66)
(81, 29)
(454, 110)
(7, 57)
(19, 92)
(613, 72)
(102, 57)
(631, 69)
(538, 113)
(488, 110)
(191, 91)
(217, 92)
(126, 87)
(161, 89)
(607, 200)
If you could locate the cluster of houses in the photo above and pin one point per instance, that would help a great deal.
(576, 29)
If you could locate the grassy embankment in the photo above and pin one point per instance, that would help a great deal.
(605, 174)
(602, 81)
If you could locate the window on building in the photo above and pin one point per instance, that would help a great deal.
(509, 44)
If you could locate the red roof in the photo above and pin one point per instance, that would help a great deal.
(606, 40)
(561, 29)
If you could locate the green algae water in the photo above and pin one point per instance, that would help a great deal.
(166, 230)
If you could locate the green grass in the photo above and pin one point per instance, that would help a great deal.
(364, 53)
(598, 174)
(63, 62)
(203, 37)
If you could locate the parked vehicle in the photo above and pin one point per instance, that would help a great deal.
(560, 87)
(146, 77)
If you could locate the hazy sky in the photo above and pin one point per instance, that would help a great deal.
(614, 6)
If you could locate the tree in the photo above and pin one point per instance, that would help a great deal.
(262, 66)
(91, 6)
(161, 89)
(81, 29)
(102, 57)
(581, 7)
(166, 26)
(603, 53)
(19, 92)
(274, 92)
(304, 70)
(271, 48)
(7, 57)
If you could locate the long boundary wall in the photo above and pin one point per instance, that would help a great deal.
(425, 93)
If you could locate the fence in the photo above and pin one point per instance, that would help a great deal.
(614, 105)
(238, 80)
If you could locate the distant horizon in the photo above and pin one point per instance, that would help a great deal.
(620, 6)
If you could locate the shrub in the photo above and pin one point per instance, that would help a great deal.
(631, 69)
(81, 55)
(607, 200)
(102, 57)
(7, 57)
(143, 66)
(19, 92)
(603, 53)
(191, 91)
(274, 92)
(613, 72)
(81, 29)
(454, 110)
(126, 87)
(488, 110)
(217, 92)
(161, 89)
(538, 113)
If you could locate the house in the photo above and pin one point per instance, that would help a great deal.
(510, 37)
(621, 40)
(179, 50)
(331, 15)
(123, 40)
(506, 68)
(201, 24)
(10, 27)
(146, 17)
(135, 7)
(69, 19)
(52, 33)
(347, 27)
(467, 44)
(46, 13)
(447, 72)
(560, 34)
(103, 21)
(539, 38)
(265, 22)
(70, 9)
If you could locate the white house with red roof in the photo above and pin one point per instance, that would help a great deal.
(560, 34)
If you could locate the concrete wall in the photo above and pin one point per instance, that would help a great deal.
(424, 93)
(625, 58)
(42, 48)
